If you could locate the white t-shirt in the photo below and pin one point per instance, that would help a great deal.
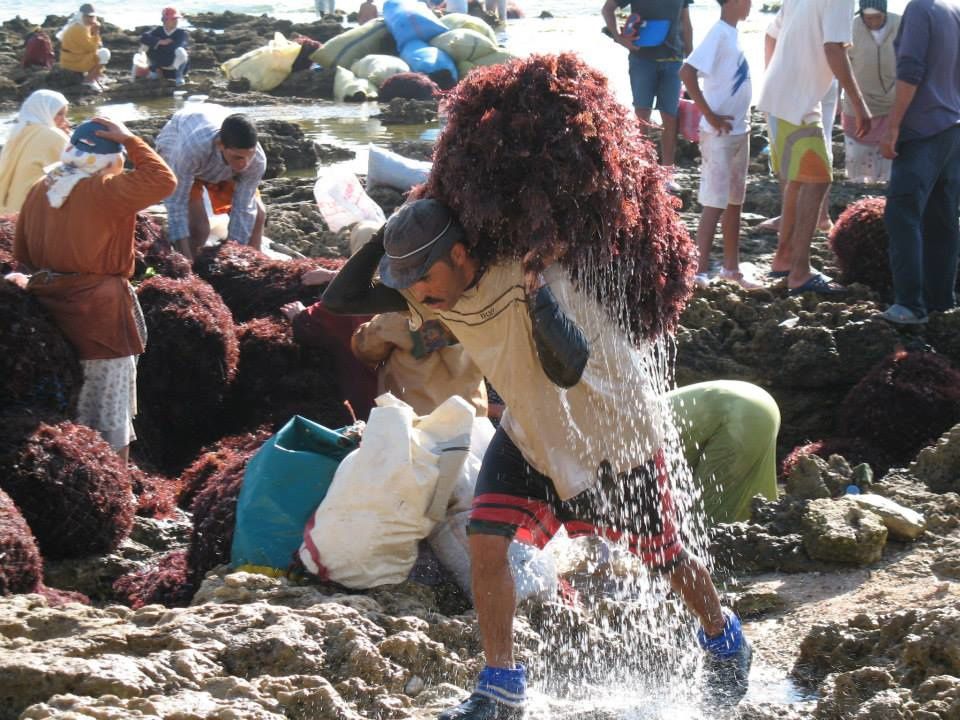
(798, 75)
(720, 61)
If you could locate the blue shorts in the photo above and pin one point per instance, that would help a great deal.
(658, 79)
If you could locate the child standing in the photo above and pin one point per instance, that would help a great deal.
(724, 136)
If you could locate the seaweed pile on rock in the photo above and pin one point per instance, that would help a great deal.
(859, 240)
(185, 372)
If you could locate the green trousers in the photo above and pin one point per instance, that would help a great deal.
(729, 433)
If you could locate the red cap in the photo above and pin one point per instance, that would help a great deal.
(169, 13)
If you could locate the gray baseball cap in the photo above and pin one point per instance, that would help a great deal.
(417, 235)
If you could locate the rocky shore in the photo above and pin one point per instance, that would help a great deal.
(855, 600)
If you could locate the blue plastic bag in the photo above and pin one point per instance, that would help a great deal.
(411, 20)
(423, 58)
(646, 33)
(283, 484)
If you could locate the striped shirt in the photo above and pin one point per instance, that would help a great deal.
(186, 142)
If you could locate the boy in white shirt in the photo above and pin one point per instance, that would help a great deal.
(724, 136)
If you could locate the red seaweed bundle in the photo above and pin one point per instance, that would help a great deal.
(859, 240)
(168, 583)
(156, 495)
(906, 401)
(277, 379)
(21, 567)
(251, 284)
(537, 154)
(39, 369)
(73, 490)
(185, 372)
(408, 86)
(215, 459)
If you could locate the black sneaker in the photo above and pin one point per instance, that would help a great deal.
(481, 707)
(727, 678)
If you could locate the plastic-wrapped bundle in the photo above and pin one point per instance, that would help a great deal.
(251, 284)
(73, 490)
(907, 400)
(537, 154)
(859, 240)
(38, 365)
(277, 379)
(183, 377)
(21, 568)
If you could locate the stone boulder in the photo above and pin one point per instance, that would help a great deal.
(939, 465)
(902, 523)
(841, 531)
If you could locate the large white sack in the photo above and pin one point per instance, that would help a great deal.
(342, 200)
(378, 68)
(395, 171)
(379, 506)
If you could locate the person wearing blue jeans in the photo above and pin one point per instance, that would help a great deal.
(658, 35)
(923, 140)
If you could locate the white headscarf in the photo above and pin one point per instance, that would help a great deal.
(75, 165)
(75, 19)
(40, 108)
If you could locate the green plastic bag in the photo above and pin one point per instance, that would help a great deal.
(283, 484)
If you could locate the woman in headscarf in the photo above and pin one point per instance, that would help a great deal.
(36, 141)
(81, 47)
(75, 232)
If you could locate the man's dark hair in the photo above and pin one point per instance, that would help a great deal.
(238, 133)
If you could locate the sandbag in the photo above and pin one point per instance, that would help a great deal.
(464, 45)
(395, 171)
(494, 58)
(345, 49)
(410, 20)
(347, 86)
(266, 67)
(425, 59)
(455, 21)
(342, 200)
(282, 484)
(378, 68)
(379, 506)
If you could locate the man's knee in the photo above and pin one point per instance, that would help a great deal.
(488, 554)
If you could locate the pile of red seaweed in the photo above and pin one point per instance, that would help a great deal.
(21, 568)
(537, 154)
(184, 374)
(277, 379)
(73, 490)
(906, 401)
(39, 369)
(859, 240)
(251, 284)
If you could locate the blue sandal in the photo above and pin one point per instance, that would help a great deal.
(820, 284)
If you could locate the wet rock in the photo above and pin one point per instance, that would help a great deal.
(757, 602)
(902, 523)
(840, 531)
(806, 480)
(408, 112)
(939, 465)
(307, 84)
(907, 660)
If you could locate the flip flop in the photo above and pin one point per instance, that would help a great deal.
(777, 274)
(820, 284)
(900, 315)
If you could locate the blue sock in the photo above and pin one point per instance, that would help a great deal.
(727, 643)
(505, 685)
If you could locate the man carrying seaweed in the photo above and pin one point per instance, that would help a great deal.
(543, 315)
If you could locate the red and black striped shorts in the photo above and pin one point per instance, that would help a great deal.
(512, 499)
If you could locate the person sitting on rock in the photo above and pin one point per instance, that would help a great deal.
(38, 50)
(167, 47)
(75, 234)
(36, 141)
(81, 47)
(368, 11)
(227, 162)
